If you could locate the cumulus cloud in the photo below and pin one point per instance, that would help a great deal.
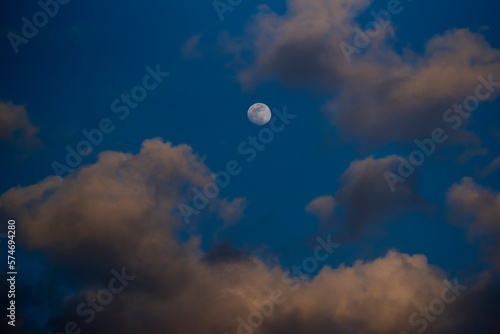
(15, 124)
(382, 95)
(369, 297)
(121, 200)
(478, 208)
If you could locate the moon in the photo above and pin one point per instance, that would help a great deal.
(259, 114)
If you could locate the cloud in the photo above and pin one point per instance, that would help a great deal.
(469, 199)
(322, 207)
(120, 213)
(491, 168)
(115, 198)
(468, 154)
(382, 95)
(190, 47)
(15, 125)
(478, 209)
(364, 198)
(369, 297)
(225, 253)
(231, 211)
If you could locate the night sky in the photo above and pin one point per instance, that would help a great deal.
(146, 201)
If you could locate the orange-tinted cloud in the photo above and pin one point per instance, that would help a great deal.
(121, 213)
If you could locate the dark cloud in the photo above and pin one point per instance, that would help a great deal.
(224, 253)
(365, 199)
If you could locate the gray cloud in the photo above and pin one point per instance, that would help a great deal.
(364, 200)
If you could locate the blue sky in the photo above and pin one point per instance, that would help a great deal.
(90, 53)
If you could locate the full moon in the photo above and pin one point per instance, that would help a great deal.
(259, 114)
